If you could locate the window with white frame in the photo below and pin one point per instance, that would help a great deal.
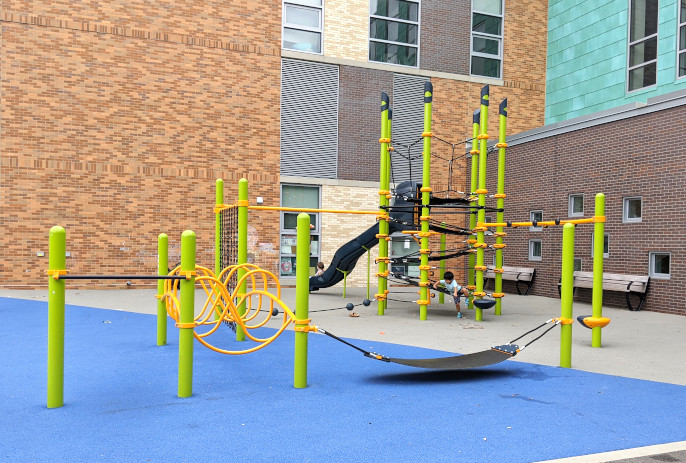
(394, 31)
(576, 205)
(632, 209)
(681, 39)
(535, 216)
(305, 197)
(487, 38)
(606, 245)
(642, 69)
(303, 25)
(577, 264)
(660, 265)
(535, 249)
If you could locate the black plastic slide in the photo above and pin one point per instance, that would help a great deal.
(347, 255)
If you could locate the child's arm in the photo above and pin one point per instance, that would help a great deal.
(436, 285)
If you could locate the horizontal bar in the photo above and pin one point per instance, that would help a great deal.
(300, 209)
(121, 277)
(538, 224)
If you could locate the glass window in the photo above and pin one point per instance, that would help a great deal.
(633, 209)
(642, 69)
(487, 38)
(681, 33)
(535, 216)
(660, 265)
(576, 205)
(306, 197)
(394, 31)
(535, 250)
(302, 25)
(403, 245)
(606, 245)
(577, 264)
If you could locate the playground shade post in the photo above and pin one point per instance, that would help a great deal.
(162, 269)
(57, 264)
(500, 204)
(302, 295)
(187, 314)
(384, 184)
(471, 281)
(426, 198)
(242, 248)
(598, 251)
(567, 295)
(481, 201)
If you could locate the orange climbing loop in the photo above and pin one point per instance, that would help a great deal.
(262, 288)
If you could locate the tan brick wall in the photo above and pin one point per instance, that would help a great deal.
(118, 134)
(338, 229)
(346, 29)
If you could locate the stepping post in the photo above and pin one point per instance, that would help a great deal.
(57, 263)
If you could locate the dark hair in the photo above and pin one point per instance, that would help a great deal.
(448, 275)
(320, 265)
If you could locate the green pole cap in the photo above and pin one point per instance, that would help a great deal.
(484, 95)
(428, 92)
(385, 102)
(503, 108)
(477, 115)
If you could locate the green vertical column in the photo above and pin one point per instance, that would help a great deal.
(384, 184)
(598, 250)
(481, 201)
(302, 299)
(441, 270)
(567, 294)
(426, 197)
(500, 203)
(186, 315)
(57, 262)
(471, 276)
(162, 269)
(369, 269)
(242, 248)
(219, 201)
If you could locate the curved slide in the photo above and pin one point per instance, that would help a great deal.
(347, 255)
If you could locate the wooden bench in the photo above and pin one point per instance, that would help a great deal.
(629, 284)
(517, 274)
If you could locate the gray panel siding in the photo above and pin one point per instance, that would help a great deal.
(309, 119)
(407, 127)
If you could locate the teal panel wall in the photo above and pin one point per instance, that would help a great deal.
(587, 57)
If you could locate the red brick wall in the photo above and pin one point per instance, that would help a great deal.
(639, 156)
(118, 133)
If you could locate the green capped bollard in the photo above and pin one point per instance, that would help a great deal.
(162, 269)
(187, 314)
(598, 250)
(57, 265)
(567, 295)
(302, 299)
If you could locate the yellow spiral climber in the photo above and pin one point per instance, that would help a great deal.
(222, 305)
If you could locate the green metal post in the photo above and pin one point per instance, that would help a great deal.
(471, 276)
(598, 250)
(567, 294)
(187, 315)
(426, 195)
(441, 271)
(384, 184)
(57, 258)
(302, 299)
(369, 267)
(481, 201)
(219, 201)
(243, 248)
(162, 269)
(500, 204)
(345, 281)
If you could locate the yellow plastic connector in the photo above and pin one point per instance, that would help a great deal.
(384, 140)
(55, 274)
(424, 283)
(499, 246)
(474, 152)
(500, 196)
(190, 325)
(478, 294)
(427, 134)
(424, 267)
(497, 295)
(242, 203)
(480, 245)
(382, 274)
(599, 219)
(482, 136)
(481, 191)
(380, 297)
(480, 267)
(501, 145)
(426, 189)
(564, 321)
(384, 192)
(423, 302)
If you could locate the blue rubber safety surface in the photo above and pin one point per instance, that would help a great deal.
(121, 404)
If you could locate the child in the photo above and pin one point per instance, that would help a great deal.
(320, 269)
(454, 289)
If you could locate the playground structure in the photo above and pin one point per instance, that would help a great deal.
(230, 300)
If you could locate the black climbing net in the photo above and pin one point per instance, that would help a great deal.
(228, 242)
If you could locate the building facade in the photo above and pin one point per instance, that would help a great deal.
(608, 54)
(117, 118)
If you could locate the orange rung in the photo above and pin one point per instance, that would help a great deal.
(501, 145)
(480, 267)
(498, 295)
(480, 245)
(499, 246)
(423, 302)
(478, 294)
(481, 191)
(426, 189)
(427, 134)
(500, 196)
(424, 267)
(471, 287)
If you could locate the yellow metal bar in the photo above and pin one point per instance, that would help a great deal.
(298, 209)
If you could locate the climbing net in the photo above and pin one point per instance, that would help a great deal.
(222, 304)
(228, 241)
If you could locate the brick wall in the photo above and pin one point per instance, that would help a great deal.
(638, 156)
(445, 36)
(116, 120)
(346, 29)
